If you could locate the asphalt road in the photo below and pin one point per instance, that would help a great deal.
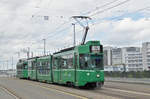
(4, 94)
(25, 89)
(127, 90)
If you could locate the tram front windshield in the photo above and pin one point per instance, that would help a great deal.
(91, 61)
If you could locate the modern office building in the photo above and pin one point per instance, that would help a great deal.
(107, 56)
(146, 55)
(132, 58)
(116, 56)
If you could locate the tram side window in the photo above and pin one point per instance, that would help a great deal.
(24, 66)
(67, 61)
(75, 60)
(43, 67)
(101, 48)
(33, 65)
(84, 61)
(29, 65)
(47, 67)
(38, 64)
(64, 64)
(19, 67)
(70, 62)
(55, 63)
(40, 67)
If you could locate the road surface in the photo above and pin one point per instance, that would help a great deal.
(13, 88)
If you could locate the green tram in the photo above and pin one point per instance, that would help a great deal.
(32, 68)
(22, 68)
(76, 66)
(44, 69)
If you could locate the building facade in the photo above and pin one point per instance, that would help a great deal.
(132, 58)
(146, 55)
(107, 56)
(116, 56)
(118, 68)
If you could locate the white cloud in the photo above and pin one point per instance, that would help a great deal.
(18, 29)
(124, 32)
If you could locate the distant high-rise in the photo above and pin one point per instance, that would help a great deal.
(107, 56)
(146, 55)
(116, 56)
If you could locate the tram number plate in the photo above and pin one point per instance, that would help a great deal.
(95, 49)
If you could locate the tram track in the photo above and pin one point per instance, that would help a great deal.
(106, 92)
(128, 91)
(114, 92)
(10, 92)
(122, 93)
(65, 90)
(38, 84)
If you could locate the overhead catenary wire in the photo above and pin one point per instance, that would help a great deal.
(57, 28)
(52, 34)
(106, 9)
(113, 18)
(114, 42)
(58, 32)
(102, 11)
(99, 7)
(102, 6)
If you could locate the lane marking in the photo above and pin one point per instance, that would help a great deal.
(9, 92)
(52, 89)
(71, 94)
(55, 89)
(128, 91)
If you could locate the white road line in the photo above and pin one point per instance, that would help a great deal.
(6, 90)
(64, 92)
(128, 91)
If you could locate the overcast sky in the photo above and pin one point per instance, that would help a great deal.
(22, 24)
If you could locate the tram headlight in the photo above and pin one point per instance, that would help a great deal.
(97, 75)
(88, 74)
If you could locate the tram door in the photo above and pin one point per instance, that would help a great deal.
(59, 69)
(75, 66)
(56, 69)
